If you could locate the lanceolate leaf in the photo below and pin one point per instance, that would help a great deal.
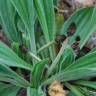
(35, 92)
(32, 17)
(82, 68)
(85, 25)
(7, 75)
(67, 58)
(86, 83)
(41, 13)
(74, 74)
(88, 60)
(37, 73)
(50, 17)
(8, 57)
(8, 23)
(8, 89)
(74, 89)
(25, 9)
(54, 64)
(21, 8)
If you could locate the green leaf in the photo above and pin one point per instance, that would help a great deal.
(35, 92)
(10, 58)
(55, 2)
(25, 9)
(67, 58)
(8, 18)
(54, 64)
(37, 73)
(85, 20)
(21, 8)
(50, 17)
(86, 61)
(41, 13)
(74, 74)
(84, 67)
(7, 75)
(8, 89)
(71, 94)
(74, 89)
(90, 84)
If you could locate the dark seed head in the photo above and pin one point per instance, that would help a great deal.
(60, 38)
(23, 48)
(76, 48)
(71, 30)
(75, 45)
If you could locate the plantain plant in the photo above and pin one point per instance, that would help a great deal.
(30, 27)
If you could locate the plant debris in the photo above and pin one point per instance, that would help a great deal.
(56, 89)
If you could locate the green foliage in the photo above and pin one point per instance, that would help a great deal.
(8, 89)
(85, 24)
(18, 19)
(8, 57)
(37, 75)
(8, 75)
(8, 18)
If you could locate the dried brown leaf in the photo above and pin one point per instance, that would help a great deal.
(56, 89)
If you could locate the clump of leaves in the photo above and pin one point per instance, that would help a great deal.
(33, 51)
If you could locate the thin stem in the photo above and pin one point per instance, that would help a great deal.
(34, 56)
(46, 46)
